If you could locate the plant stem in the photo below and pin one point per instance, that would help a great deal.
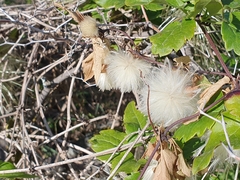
(213, 46)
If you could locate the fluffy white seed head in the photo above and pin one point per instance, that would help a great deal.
(125, 72)
(88, 27)
(104, 82)
(170, 96)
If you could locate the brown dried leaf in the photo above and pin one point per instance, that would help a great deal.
(165, 168)
(100, 52)
(149, 151)
(183, 169)
(87, 66)
(210, 91)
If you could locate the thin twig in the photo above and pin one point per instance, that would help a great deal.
(118, 108)
(109, 151)
(74, 127)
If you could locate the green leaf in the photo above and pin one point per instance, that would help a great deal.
(232, 103)
(155, 5)
(190, 146)
(229, 61)
(13, 35)
(172, 37)
(175, 3)
(107, 139)
(235, 20)
(212, 7)
(186, 132)
(217, 136)
(137, 2)
(199, 6)
(231, 37)
(108, 3)
(201, 162)
(10, 166)
(232, 4)
(133, 119)
(129, 165)
(133, 176)
(233, 128)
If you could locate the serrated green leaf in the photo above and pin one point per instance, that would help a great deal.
(186, 132)
(201, 162)
(231, 37)
(109, 3)
(10, 166)
(137, 2)
(133, 119)
(133, 176)
(172, 37)
(129, 165)
(107, 139)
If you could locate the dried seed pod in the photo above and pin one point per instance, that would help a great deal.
(88, 26)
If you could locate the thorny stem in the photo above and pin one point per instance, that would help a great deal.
(213, 46)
